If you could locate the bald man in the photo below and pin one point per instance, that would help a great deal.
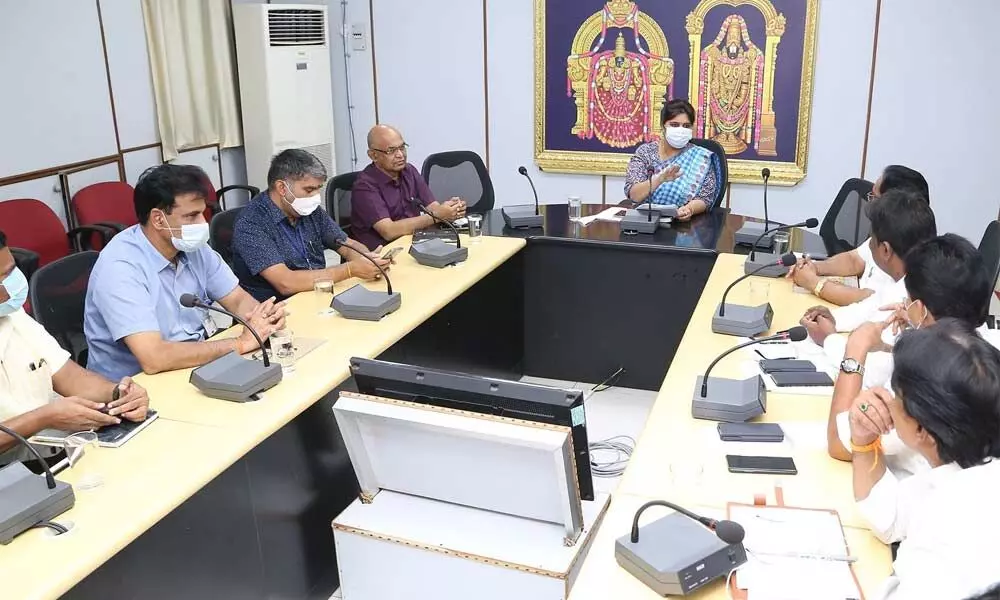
(382, 201)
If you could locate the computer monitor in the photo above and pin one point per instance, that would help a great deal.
(501, 397)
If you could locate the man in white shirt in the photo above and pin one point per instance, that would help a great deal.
(859, 262)
(900, 220)
(946, 277)
(947, 408)
(40, 388)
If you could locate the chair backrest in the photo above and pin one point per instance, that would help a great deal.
(463, 174)
(58, 293)
(989, 248)
(717, 149)
(338, 198)
(32, 225)
(106, 202)
(221, 232)
(846, 225)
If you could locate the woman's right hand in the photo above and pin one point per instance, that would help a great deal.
(668, 174)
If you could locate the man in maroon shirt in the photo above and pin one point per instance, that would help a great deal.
(381, 206)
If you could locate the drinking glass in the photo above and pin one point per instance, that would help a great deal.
(782, 242)
(575, 207)
(475, 228)
(283, 349)
(322, 290)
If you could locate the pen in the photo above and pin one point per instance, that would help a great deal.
(832, 557)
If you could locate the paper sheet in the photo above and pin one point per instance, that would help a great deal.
(608, 214)
(772, 531)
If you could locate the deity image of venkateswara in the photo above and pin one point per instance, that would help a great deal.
(733, 79)
(619, 92)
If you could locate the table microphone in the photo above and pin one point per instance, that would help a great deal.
(331, 242)
(733, 400)
(192, 301)
(808, 224)
(359, 302)
(25, 501)
(523, 217)
(746, 321)
(766, 174)
(677, 554)
(436, 252)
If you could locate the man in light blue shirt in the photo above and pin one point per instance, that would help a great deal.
(133, 320)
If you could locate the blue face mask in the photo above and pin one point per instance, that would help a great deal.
(17, 288)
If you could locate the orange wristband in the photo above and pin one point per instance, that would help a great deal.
(875, 447)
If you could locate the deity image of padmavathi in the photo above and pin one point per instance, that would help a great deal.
(731, 88)
(619, 93)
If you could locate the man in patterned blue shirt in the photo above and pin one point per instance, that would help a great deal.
(278, 240)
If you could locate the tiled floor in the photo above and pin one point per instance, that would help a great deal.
(616, 411)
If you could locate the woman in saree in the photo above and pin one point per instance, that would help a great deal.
(672, 169)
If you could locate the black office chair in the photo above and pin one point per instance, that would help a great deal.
(58, 294)
(338, 198)
(716, 148)
(989, 248)
(221, 232)
(463, 174)
(846, 225)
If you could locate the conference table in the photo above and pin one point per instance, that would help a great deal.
(227, 500)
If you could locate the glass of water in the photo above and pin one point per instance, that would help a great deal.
(322, 290)
(475, 228)
(782, 242)
(283, 349)
(575, 207)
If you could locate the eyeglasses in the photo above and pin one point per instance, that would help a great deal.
(393, 149)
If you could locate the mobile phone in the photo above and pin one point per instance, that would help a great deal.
(750, 432)
(774, 465)
(801, 379)
(783, 365)
(391, 253)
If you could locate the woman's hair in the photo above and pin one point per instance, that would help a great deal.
(949, 381)
(675, 107)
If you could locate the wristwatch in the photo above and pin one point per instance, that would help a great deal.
(849, 365)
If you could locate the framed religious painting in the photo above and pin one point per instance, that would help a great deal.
(605, 68)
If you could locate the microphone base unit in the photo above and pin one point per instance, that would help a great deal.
(26, 500)
(636, 222)
(676, 556)
(234, 378)
(362, 304)
(763, 259)
(437, 253)
(750, 232)
(743, 321)
(729, 400)
(521, 217)
(658, 210)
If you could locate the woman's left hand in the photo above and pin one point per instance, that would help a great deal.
(684, 213)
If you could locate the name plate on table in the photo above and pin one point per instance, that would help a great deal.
(510, 466)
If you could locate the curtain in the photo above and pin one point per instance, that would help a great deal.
(194, 83)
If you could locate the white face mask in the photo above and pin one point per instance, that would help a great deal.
(303, 206)
(678, 137)
(193, 237)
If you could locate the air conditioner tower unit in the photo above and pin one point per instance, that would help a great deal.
(283, 56)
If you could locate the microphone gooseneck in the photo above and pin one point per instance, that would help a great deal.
(423, 209)
(808, 223)
(727, 531)
(784, 335)
(766, 174)
(786, 260)
(524, 171)
(192, 301)
(50, 479)
(330, 241)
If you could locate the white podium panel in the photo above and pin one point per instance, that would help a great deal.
(403, 546)
(509, 466)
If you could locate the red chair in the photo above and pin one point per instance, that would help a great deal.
(32, 225)
(110, 204)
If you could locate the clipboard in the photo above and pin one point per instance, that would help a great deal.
(759, 503)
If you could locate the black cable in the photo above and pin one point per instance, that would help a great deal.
(59, 529)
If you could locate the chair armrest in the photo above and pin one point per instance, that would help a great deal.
(116, 227)
(219, 193)
(78, 236)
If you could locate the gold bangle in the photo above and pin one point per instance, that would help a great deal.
(818, 290)
(349, 271)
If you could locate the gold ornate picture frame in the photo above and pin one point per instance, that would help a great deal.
(604, 68)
